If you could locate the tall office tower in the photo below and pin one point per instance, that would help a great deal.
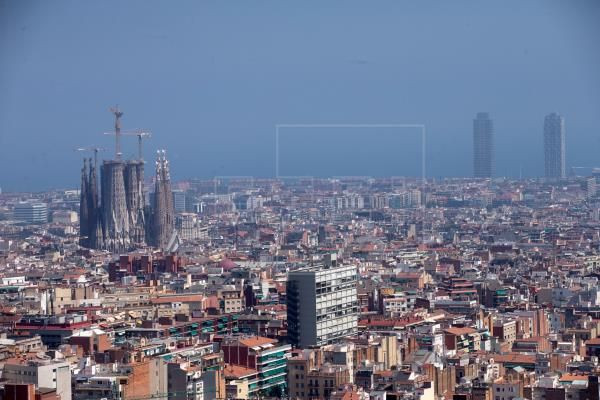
(114, 207)
(483, 146)
(322, 303)
(134, 195)
(163, 221)
(554, 146)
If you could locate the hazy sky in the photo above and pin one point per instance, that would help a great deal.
(211, 79)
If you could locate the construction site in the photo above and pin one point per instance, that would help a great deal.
(114, 215)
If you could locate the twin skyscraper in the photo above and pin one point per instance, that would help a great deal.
(554, 146)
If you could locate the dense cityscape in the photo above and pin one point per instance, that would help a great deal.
(315, 200)
(304, 288)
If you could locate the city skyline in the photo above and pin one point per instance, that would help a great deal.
(212, 94)
(277, 200)
(483, 154)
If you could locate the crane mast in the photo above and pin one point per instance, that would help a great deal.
(118, 114)
(140, 133)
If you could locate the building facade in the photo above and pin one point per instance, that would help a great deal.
(44, 373)
(322, 303)
(264, 361)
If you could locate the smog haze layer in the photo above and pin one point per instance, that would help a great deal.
(212, 79)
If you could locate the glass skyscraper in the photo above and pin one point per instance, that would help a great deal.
(554, 146)
(483, 146)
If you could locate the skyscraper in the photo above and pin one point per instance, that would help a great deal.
(554, 146)
(483, 146)
(322, 303)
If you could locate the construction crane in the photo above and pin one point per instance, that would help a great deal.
(95, 150)
(141, 134)
(574, 169)
(118, 114)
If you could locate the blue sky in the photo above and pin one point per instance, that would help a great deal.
(211, 79)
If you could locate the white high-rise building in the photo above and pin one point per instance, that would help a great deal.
(322, 303)
(32, 213)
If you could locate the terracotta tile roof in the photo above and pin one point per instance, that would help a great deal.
(178, 299)
(513, 358)
(237, 371)
(257, 341)
(572, 377)
(407, 275)
(460, 331)
(533, 339)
